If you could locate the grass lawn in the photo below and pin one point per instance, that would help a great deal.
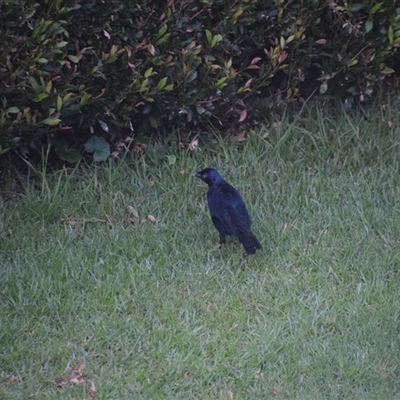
(154, 310)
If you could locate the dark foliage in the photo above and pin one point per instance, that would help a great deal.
(72, 70)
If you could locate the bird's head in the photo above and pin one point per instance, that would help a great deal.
(209, 176)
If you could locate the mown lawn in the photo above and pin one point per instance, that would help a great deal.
(155, 310)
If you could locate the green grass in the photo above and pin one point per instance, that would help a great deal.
(155, 311)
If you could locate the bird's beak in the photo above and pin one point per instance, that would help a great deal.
(197, 174)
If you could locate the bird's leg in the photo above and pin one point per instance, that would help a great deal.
(222, 238)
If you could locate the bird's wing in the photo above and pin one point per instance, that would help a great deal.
(237, 218)
(228, 208)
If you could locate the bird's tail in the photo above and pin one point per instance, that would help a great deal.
(250, 243)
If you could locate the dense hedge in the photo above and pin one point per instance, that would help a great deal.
(78, 70)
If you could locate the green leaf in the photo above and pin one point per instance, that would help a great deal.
(36, 31)
(221, 83)
(143, 86)
(387, 71)
(357, 7)
(209, 37)
(66, 152)
(112, 59)
(216, 39)
(353, 62)
(169, 87)
(51, 121)
(73, 58)
(35, 85)
(368, 25)
(13, 110)
(375, 8)
(2, 151)
(154, 122)
(68, 96)
(162, 30)
(148, 72)
(163, 39)
(48, 87)
(85, 97)
(162, 83)
(171, 159)
(323, 88)
(61, 44)
(28, 117)
(390, 34)
(59, 102)
(99, 147)
(40, 97)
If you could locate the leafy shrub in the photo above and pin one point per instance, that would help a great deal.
(72, 70)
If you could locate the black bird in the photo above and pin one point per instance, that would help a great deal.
(228, 211)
